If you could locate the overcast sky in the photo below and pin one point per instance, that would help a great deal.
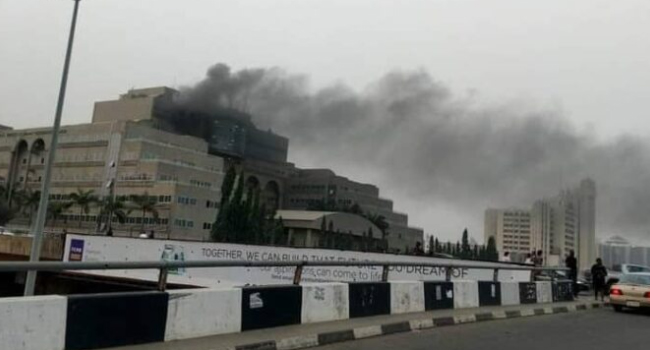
(589, 59)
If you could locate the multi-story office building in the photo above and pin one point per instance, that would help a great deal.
(306, 187)
(556, 226)
(617, 250)
(121, 159)
(511, 229)
(146, 142)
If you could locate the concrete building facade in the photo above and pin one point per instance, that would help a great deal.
(146, 142)
(120, 159)
(555, 225)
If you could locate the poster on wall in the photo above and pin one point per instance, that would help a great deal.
(102, 248)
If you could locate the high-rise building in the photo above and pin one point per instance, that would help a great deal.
(556, 226)
(511, 229)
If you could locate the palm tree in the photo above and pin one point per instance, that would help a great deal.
(83, 199)
(56, 209)
(146, 204)
(380, 222)
(111, 207)
(26, 202)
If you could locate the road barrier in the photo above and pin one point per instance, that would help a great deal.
(117, 319)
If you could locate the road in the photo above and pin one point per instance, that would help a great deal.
(594, 330)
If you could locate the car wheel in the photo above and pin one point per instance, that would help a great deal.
(618, 308)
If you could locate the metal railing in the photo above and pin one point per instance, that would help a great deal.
(164, 266)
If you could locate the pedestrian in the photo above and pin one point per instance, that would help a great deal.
(538, 258)
(572, 263)
(598, 275)
(506, 257)
(151, 234)
(110, 232)
(529, 259)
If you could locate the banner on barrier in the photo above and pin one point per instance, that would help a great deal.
(102, 248)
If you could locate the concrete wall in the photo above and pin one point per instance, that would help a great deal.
(33, 323)
(465, 294)
(509, 293)
(201, 312)
(406, 296)
(544, 292)
(325, 302)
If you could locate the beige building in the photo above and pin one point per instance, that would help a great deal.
(511, 229)
(556, 226)
(305, 229)
(121, 159)
(306, 188)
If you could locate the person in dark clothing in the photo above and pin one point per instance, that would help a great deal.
(572, 263)
(598, 275)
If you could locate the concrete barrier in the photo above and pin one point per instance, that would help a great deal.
(489, 293)
(369, 299)
(194, 313)
(325, 302)
(438, 295)
(544, 292)
(527, 292)
(271, 306)
(33, 323)
(509, 293)
(563, 291)
(112, 320)
(465, 294)
(406, 296)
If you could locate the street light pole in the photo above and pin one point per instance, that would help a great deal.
(41, 216)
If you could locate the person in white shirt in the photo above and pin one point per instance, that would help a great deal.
(505, 257)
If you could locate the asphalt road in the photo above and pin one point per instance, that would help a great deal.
(590, 330)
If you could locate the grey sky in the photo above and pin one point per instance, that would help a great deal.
(585, 58)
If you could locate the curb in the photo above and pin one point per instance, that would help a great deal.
(313, 340)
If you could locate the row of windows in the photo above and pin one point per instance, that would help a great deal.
(207, 226)
(128, 220)
(186, 200)
(184, 223)
(211, 204)
(198, 183)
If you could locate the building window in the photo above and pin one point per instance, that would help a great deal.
(207, 226)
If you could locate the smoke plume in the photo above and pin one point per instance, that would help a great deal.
(428, 148)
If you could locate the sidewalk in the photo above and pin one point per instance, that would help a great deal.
(317, 334)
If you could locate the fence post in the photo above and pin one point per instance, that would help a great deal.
(384, 274)
(448, 273)
(297, 276)
(496, 275)
(162, 279)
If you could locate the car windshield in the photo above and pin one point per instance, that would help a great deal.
(636, 279)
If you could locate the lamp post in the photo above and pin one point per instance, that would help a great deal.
(41, 216)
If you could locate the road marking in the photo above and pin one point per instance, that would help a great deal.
(367, 332)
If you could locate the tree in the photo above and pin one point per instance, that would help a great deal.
(432, 247)
(475, 254)
(6, 213)
(491, 252)
(465, 252)
(145, 204)
(458, 250)
(219, 228)
(29, 201)
(449, 249)
(56, 209)
(114, 208)
(83, 199)
(437, 247)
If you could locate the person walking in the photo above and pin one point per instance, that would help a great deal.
(529, 259)
(572, 263)
(598, 275)
(506, 257)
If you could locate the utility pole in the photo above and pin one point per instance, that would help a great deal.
(41, 216)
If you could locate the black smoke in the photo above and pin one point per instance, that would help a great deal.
(428, 146)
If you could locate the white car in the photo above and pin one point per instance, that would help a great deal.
(4, 231)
